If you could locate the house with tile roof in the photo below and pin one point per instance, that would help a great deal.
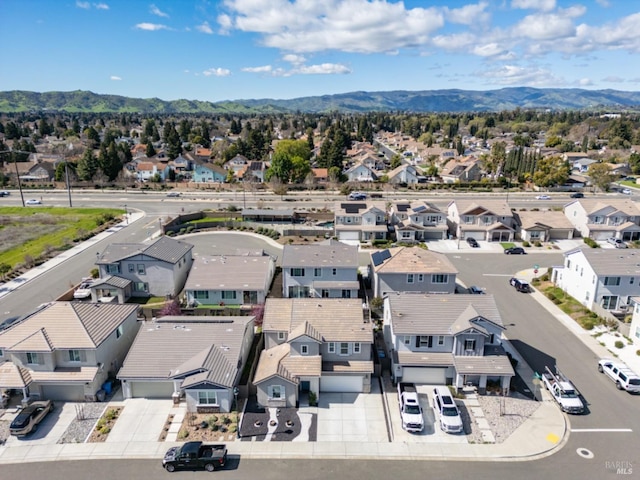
(65, 351)
(601, 279)
(543, 225)
(313, 345)
(446, 339)
(463, 170)
(418, 221)
(196, 357)
(158, 268)
(229, 280)
(490, 220)
(406, 269)
(360, 221)
(320, 271)
(600, 219)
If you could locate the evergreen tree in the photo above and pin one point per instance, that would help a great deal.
(87, 165)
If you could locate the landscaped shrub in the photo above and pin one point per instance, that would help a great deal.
(525, 243)
(592, 243)
(619, 344)
(538, 243)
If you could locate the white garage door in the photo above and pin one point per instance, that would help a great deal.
(342, 383)
(151, 389)
(348, 235)
(424, 375)
(66, 393)
(476, 235)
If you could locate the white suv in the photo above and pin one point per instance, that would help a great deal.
(450, 421)
(623, 376)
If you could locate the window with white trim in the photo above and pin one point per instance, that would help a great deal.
(282, 335)
(207, 397)
(344, 348)
(409, 277)
(421, 277)
(425, 341)
(132, 268)
(406, 234)
(440, 340)
(356, 347)
(407, 340)
(141, 269)
(612, 281)
(33, 358)
(332, 347)
(317, 272)
(113, 269)
(297, 272)
(469, 344)
(74, 355)
(609, 302)
(140, 287)
(119, 331)
(228, 294)
(275, 392)
(439, 278)
(201, 294)
(304, 349)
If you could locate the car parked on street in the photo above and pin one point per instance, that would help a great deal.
(28, 419)
(472, 242)
(616, 242)
(620, 374)
(520, 285)
(475, 290)
(515, 251)
(626, 191)
(443, 403)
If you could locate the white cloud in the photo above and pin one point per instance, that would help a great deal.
(545, 27)
(544, 5)
(613, 79)
(151, 27)
(87, 5)
(322, 69)
(262, 69)
(603, 3)
(585, 82)
(489, 50)
(101, 6)
(204, 28)
(469, 14)
(217, 72)
(360, 26)
(226, 24)
(156, 11)
(295, 59)
(84, 5)
(516, 75)
(115, 78)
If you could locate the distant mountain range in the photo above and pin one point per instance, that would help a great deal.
(353, 102)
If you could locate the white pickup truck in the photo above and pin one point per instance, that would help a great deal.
(562, 391)
(410, 410)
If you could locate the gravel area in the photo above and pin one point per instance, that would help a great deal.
(503, 414)
(4, 431)
(79, 429)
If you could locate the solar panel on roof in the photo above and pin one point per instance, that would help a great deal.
(403, 207)
(379, 257)
(420, 208)
(353, 207)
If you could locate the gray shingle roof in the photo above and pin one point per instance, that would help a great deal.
(612, 261)
(415, 260)
(164, 248)
(230, 272)
(336, 255)
(207, 347)
(417, 314)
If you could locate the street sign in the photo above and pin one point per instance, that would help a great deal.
(535, 270)
(536, 266)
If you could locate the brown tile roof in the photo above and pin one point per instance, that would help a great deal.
(269, 364)
(415, 260)
(14, 376)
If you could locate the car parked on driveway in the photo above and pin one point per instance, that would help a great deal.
(472, 242)
(28, 419)
(543, 197)
(450, 420)
(515, 251)
(616, 242)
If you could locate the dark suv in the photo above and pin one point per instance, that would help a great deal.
(577, 195)
(515, 251)
(520, 285)
(472, 242)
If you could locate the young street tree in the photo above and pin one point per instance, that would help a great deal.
(600, 175)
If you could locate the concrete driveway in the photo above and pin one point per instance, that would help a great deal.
(141, 420)
(50, 429)
(352, 417)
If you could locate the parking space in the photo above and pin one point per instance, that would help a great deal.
(432, 432)
(352, 417)
(49, 430)
(141, 420)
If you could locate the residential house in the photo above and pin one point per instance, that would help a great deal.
(582, 164)
(373, 162)
(418, 221)
(490, 220)
(600, 219)
(181, 165)
(66, 350)
(360, 221)
(361, 173)
(543, 225)
(405, 175)
(313, 345)
(320, 271)
(446, 339)
(599, 278)
(465, 170)
(406, 269)
(253, 172)
(236, 164)
(158, 268)
(208, 172)
(634, 327)
(229, 280)
(147, 170)
(200, 358)
(320, 175)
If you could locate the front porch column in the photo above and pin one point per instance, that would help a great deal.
(505, 382)
(482, 384)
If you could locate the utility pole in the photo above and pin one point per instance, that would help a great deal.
(15, 164)
(66, 174)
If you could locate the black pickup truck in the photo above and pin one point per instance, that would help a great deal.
(195, 456)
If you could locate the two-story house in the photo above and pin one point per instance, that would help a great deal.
(320, 271)
(466, 170)
(604, 278)
(405, 269)
(405, 175)
(313, 345)
(543, 225)
(601, 219)
(446, 339)
(198, 357)
(361, 173)
(66, 350)
(208, 173)
(158, 268)
(360, 221)
(418, 221)
(491, 220)
(229, 280)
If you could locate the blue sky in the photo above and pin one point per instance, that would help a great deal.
(238, 49)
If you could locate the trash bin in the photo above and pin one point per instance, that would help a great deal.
(106, 386)
(100, 395)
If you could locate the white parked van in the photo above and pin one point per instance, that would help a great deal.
(623, 376)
